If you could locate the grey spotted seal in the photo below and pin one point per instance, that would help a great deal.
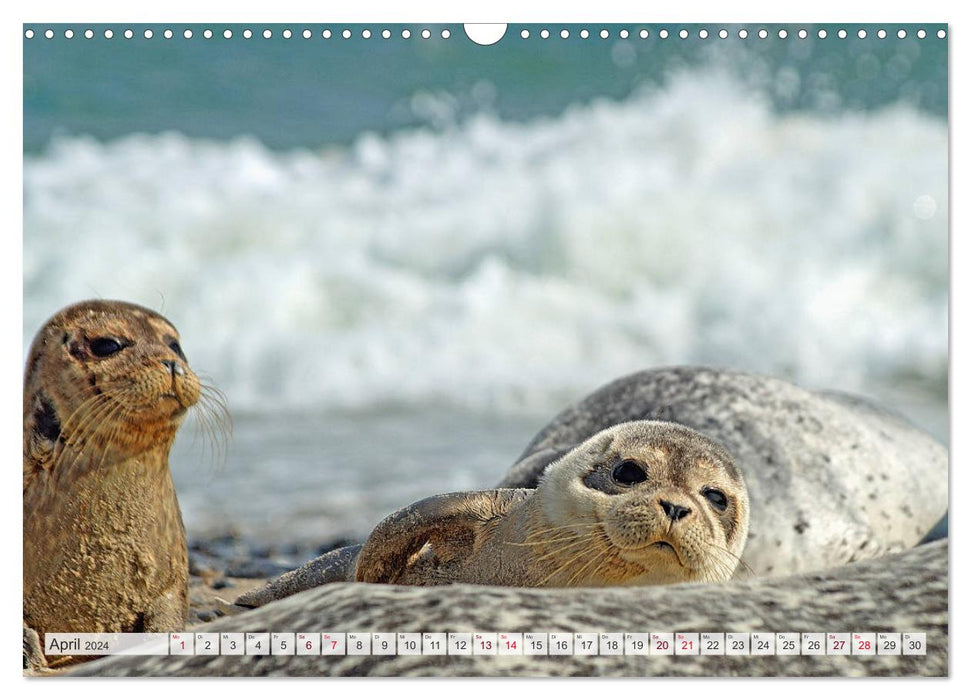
(106, 387)
(832, 477)
(903, 592)
(641, 503)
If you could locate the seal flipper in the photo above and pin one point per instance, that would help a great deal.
(337, 565)
(439, 529)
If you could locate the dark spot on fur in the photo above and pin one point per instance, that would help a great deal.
(65, 338)
(801, 526)
(47, 424)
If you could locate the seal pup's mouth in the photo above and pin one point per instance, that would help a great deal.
(181, 407)
(665, 546)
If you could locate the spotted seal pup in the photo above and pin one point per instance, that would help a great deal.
(640, 503)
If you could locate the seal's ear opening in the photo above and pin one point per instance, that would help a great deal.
(448, 523)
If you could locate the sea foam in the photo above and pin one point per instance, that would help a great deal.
(514, 266)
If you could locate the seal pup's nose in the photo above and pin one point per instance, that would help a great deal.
(174, 367)
(673, 511)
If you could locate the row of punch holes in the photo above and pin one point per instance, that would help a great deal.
(447, 33)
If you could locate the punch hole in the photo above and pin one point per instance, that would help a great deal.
(187, 34)
(545, 34)
(426, 34)
(941, 34)
(524, 34)
(564, 34)
(803, 33)
(663, 33)
(821, 33)
(488, 34)
(49, 34)
(346, 33)
(386, 34)
(130, 34)
(307, 34)
(326, 34)
(882, 34)
(68, 33)
(446, 34)
(29, 34)
(722, 33)
(109, 34)
(207, 34)
(604, 33)
(644, 34)
(743, 34)
(267, 33)
(167, 34)
(287, 34)
(841, 33)
(405, 33)
(584, 33)
(703, 34)
(366, 33)
(88, 34)
(783, 34)
(921, 34)
(683, 34)
(148, 34)
(861, 33)
(227, 34)
(763, 34)
(624, 33)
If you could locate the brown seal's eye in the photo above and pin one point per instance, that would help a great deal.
(716, 498)
(176, 348)
(629, 473)
(105, 347)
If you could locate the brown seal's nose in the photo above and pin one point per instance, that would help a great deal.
(673, 511)
(174, 367)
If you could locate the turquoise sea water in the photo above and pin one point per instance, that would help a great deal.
(399, 258)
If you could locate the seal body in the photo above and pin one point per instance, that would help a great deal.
(640, 503)
(106, 388)
(904, 591)
(831, 478)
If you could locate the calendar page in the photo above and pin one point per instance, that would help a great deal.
(539, 349)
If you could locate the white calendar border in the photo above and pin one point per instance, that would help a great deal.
(509, 11)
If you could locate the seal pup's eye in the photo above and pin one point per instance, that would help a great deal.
(629, 473)
(716, 498)
(177, 349)
(105, 347)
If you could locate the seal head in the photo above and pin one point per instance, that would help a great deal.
(651, 502)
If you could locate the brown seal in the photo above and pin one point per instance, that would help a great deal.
(641, 503)
(106, 387)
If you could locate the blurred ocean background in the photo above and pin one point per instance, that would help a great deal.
(400, 258)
